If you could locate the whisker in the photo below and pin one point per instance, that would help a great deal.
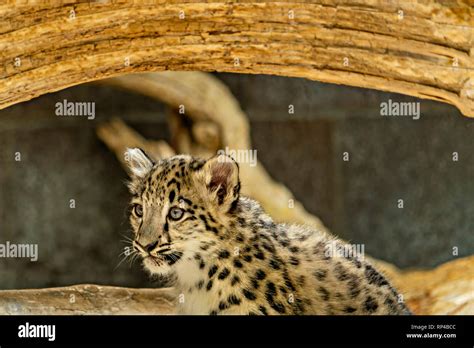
(127, 237)
(133, 259)
(121, 261)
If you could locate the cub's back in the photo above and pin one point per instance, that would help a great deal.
(335, 275)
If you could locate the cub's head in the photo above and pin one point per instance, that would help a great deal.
(179, 205)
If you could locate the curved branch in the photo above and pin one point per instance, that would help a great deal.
(422, 48)
(217, 123)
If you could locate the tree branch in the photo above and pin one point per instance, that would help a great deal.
(422, 48)
(216, 122)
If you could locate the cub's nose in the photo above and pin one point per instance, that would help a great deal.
(147, 248)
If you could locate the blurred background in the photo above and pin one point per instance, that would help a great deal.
(391, 158)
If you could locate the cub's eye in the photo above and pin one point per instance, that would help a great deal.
(176, 213)
(138, 210)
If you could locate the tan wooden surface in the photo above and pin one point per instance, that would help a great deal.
(422, 48)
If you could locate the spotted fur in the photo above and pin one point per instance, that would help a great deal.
(227, 256)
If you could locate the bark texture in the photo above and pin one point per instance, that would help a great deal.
(422, 48)
(86, 299)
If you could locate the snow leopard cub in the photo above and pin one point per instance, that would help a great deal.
(227, 256)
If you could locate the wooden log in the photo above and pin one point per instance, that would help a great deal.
(447, 289)
(87, 299)
(422, 48)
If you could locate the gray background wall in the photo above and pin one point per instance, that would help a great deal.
(391, 159)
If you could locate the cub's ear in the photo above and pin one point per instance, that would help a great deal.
(221, 176)
(138, 162)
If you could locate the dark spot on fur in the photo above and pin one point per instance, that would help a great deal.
(200, 284)
(324, 293)
(374, 277)
(349, 309)
(260, 275)
(354, 289)
(294, 249)
(211, 218)
(278, 306)
(263, 310)
(271, 289)
(354, 260)
(255, 283)
(370, 304)
(203, 219)
(268, 247)
(171, 196)
(241, 221)
(212, 271)
(247, 258)
(223, 254)
(233, 300)
(275, 264)
(249, 295)
(204, 246)
(172, 181)
(223, 305)
(209, 285)
(237, 263)
(259, 255)
(235, 280)
(288, 281)
(320, 274)
(341, 273)
(224, 273)
(269, 296)
(294, 261)
(221, 193)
